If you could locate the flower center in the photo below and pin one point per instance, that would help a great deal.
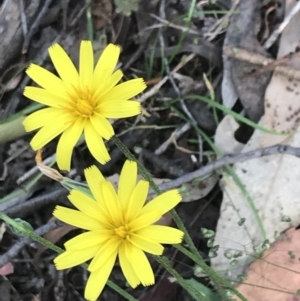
(123, 231)
(84, 107)
(85, 102)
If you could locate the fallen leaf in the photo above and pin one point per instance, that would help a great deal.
(198, 190)
(224, 137)
(275, 276)
(7, 269)
(271, 182)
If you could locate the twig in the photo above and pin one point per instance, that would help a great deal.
(23, 18)
(273, 37)
(16, 96)
(231, 159)
(157, 87)
(174, 136)
(258, 59)
(172, 81)
(34, 169)
(76, 18)
(15, 249)
(22, 210)
(35, 25)
(170, 24)
(218, 27)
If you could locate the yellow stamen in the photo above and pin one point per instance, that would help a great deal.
(122, 231)
(84, 107)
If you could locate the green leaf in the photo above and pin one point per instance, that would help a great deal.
(203, 290)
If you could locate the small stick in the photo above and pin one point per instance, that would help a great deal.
(157, 87)
(174, 136)
(173, 83)
(23, 18)
(26, 208)
(35, 25)
(231, 159)
(258, 59)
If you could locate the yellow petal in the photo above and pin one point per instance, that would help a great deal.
(49, 132)
(126, 90)
(146, 244)
(86, 64)
(112, 202)
(95, 144)
(137, 199)
(164, 202)
(76, 218)
(105, 65)
(144, 220)
(72, 258)
(110, 82)
(66, 144)
(47, 98)
(95, 179)
(127, 269)
(102, 126)
(127, 182)
(161, 234)
(47, 80)
(41, 118)
(88, 239)
(87, 205)
(63, 65)
(104, 253)
(119, 109)
(98, 279)
(140, 264)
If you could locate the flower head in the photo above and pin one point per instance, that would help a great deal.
(119, 224)
(80, 101)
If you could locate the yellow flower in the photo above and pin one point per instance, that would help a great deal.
(119, 225)
(80, 102)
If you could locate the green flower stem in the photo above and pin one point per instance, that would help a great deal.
(194, 254)
(163, 262)
(26, 232)
(220, 282)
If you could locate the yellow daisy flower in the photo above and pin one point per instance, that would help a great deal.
(80, 102)
(119, 224)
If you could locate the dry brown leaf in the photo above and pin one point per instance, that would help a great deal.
(199, 190)
(272, 182)
(275, 276)
(282, 106)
